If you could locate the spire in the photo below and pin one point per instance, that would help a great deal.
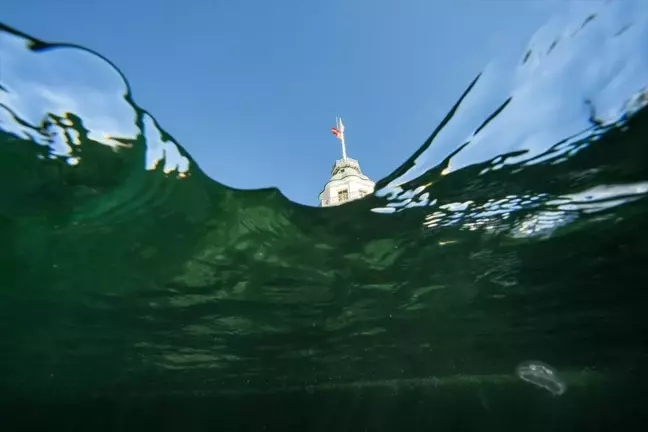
(340, 127)
(338, 131)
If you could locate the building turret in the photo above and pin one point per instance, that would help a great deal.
(347, 183)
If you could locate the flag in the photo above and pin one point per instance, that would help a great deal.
(338, 131)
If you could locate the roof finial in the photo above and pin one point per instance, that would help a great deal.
(338, 131)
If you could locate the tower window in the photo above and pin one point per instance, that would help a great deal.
(343, 195)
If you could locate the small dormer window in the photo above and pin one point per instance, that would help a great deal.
(343, 195)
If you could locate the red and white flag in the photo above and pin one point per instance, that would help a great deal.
(338, 130)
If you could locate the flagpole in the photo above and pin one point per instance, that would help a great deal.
(339, 127)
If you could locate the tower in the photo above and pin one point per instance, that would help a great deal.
(347, 183)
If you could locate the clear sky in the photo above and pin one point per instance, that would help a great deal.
(252, 88)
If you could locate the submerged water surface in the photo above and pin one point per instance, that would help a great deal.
(494, 280)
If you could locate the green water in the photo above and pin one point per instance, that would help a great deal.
(134, 298)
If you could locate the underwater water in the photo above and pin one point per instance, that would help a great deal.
(494, 281)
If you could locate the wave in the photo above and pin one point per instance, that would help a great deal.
(125, 265)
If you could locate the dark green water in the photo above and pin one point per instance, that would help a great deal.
(139, 299)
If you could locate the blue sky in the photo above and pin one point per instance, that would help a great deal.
(251, 89)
